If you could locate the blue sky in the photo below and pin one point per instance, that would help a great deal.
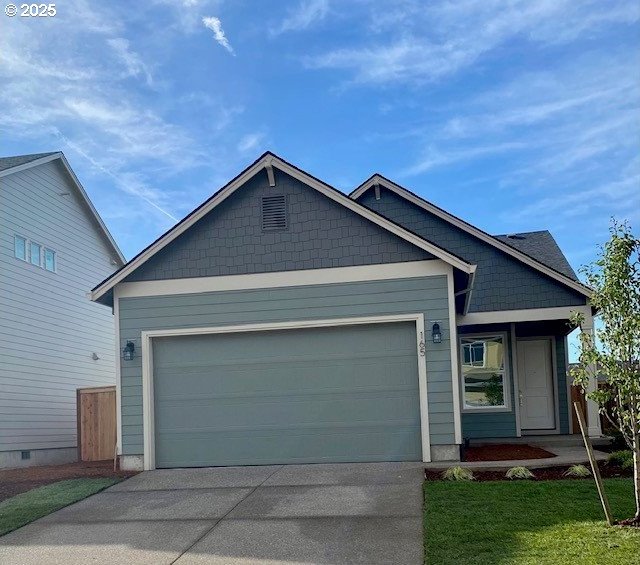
(514, 115)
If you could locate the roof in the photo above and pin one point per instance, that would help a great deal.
(17, 160)
(541, 246)
(10, 165)
(269, 161)
(526, 257)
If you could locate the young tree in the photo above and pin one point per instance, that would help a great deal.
(615, 354)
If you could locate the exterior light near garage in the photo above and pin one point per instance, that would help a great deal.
(436, 334)
(128, 351)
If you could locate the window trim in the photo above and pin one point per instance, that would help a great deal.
(26, 247)
(507, 407)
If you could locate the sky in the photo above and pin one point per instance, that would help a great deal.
(513, 115)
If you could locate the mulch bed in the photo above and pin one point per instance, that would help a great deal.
(607, 470)
(15, 481)
(505, 452)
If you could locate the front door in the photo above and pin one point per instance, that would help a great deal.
(535, 376)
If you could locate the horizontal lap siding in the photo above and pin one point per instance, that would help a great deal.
(399, 296)
(48, 327)
(561, 369)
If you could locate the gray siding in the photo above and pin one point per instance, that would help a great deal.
(427, 295)
(501, 282)
(48, 327)
(321, 234)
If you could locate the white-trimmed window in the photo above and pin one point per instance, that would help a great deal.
(50, 260)
(484, 374)
(20, 247)
(35, 254)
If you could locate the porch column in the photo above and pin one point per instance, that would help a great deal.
(593, 416)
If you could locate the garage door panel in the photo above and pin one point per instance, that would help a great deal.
(300, 446)
(319, 376)
(317, 394)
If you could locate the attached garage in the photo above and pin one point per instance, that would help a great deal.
(329, 393)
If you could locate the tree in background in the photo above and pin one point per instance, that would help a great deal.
(615, 354)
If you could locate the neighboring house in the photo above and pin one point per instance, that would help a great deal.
(285, 322)
(53, 249)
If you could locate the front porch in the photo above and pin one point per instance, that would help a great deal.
(513, 378)
(567, 450)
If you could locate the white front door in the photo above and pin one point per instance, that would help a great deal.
(535, 376)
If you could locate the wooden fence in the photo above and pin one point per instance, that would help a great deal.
(96, 423)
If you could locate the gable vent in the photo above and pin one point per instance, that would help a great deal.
(274, 213)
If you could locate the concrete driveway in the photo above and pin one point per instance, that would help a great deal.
(348, 513)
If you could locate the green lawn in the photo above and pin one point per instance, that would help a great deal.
(33, 504)
(532, 523)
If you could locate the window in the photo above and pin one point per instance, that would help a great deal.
(49, 260)
(20, 247)
(34, 252)
(484, 377)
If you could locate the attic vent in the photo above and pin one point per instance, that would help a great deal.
(515, 236)
(274, 213)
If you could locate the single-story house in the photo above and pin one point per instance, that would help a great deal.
(283, 321)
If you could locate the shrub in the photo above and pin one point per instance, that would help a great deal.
(519, 473)
(623, 458)
(577, 471)
(458, 474)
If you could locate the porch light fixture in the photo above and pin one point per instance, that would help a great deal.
(128, 351)
(436, 335)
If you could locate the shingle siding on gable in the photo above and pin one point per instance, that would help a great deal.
(501, 282)
(321, 233)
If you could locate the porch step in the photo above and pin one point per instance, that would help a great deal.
(574, 440)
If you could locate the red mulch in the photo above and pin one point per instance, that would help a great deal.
(15, 481)
(505, 452)
(607, 470)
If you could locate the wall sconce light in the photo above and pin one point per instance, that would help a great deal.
(128, 351)
(436, 334)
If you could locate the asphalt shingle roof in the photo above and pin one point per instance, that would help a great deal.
(541, 246)
(17, 160)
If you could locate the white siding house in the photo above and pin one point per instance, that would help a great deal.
(53, 249)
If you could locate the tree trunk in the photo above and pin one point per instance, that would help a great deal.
(636, 475)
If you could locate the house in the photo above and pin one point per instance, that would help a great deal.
(53, 249)
(285, 322)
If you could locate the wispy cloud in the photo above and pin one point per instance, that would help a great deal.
(302, 16)
(250, 142)
(215, 25)
(134, 65)
(430, 42)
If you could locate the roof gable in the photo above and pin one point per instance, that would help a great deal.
(320, 234)
(11, 165)
(271, 162)
(513, 251)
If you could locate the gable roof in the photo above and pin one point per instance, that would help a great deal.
(542, 246)
(268, 161)
(518, 252)
(10, 165)
(16, 161)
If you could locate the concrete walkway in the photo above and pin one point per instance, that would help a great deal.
(349, 513)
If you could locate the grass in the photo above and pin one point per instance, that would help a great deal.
(23, 508)
(527, 523)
